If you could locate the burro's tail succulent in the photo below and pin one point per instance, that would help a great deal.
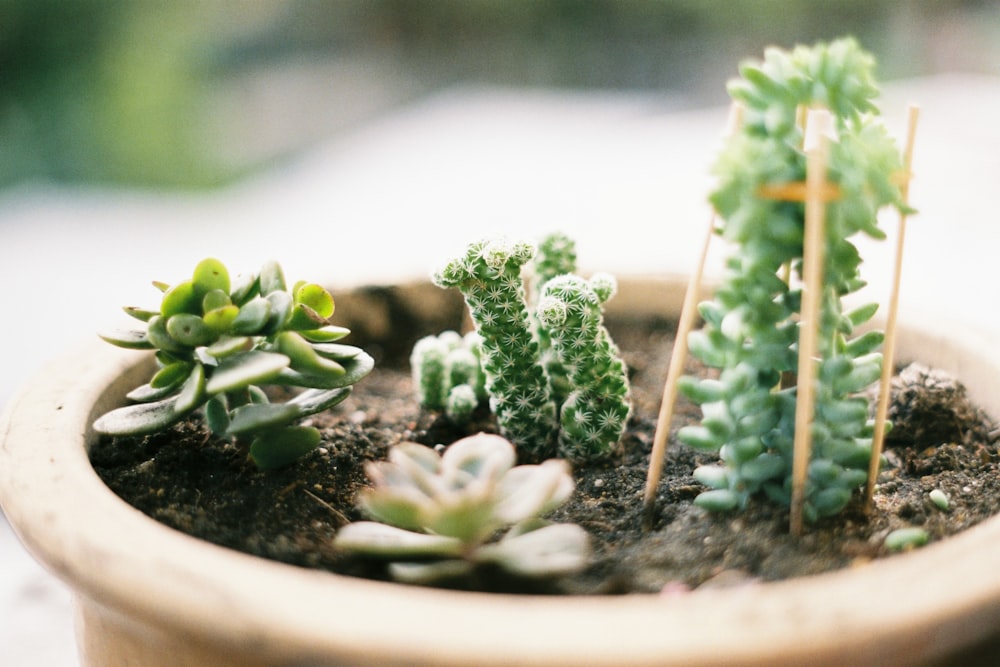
(436, 516)
(752, 325)
(218, 342)
(594, 415)
(489, 277)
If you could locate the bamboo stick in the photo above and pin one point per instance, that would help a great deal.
(678, 355)
(889, 344)
(817, 124)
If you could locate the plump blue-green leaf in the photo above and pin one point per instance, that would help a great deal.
(131, 339)
(282, 447)
(245, 368)
(904, 539)
(190, 330)
(281, 311)
(862, 314)
(830, 501)
(139, 419)
(699, 437)
(714, 477)
(701, 390)
(312, 401)
(763, 468)
(718, 500)
(259, 416)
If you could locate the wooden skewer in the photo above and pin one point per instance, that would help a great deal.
(817, 124)
(678, 355)
(889, 344)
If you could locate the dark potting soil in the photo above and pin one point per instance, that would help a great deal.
(202, 485)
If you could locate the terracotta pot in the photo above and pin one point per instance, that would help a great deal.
(150, 596)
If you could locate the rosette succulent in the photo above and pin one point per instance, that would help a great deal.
(438, 516)
(217, 342)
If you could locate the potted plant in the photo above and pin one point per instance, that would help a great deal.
(152, 595)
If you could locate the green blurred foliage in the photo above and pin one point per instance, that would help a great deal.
(133, 91)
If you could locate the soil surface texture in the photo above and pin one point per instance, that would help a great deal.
(202, 485)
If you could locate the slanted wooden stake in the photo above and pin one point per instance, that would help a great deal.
(679, 355)
(889, 344)
(817, 125)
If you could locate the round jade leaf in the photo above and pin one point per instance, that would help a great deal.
(221, 319)
(170, 375)
(190, 330)
(210, 274)
(326, 334)
(181, 298)
(252, 317)
(215, 299)
(282, 447)
(157, 334)
(315, 297)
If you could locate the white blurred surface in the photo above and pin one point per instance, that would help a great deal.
(623, 174)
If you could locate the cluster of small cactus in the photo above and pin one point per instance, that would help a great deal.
(554, 380)
(218, 341)
(751, 326)
(448, 375)
(437, 515)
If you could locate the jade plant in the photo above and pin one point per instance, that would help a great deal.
(751, 326)
(437, 516)
(575, 402)
(217, 342)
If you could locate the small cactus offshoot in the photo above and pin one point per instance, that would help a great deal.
(437, 515)
(217, 342)
(448, 375)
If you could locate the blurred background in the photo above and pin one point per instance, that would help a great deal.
(192, 94)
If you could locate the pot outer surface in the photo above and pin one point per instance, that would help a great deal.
(393, 349)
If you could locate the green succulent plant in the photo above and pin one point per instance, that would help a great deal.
(594, 415)
(555, 381)
(752, 326)
(448, 375)
(437, 516)
(217, 342)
